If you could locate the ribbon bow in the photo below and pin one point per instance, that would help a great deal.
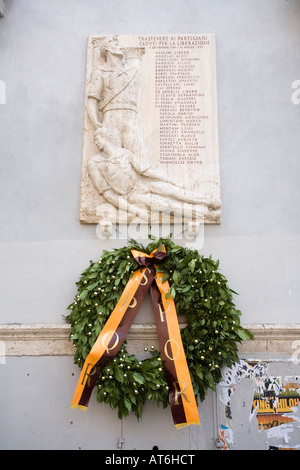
(182, 398)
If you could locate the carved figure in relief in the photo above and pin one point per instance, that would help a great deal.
(119, 176)
(113, 96)
(121, 171)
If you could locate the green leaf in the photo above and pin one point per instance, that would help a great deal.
(119, 375)
(138, 377)
(139, 411)
(244, 334)
(210, 380)
(128, 404)
(92, 276)
(100, 308)
(92, 286)
(186, 289)
(173, 293)
(199, 371)
(176, 277)
(192, 265)
(83, 294)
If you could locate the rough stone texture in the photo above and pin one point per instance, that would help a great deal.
(51, 339)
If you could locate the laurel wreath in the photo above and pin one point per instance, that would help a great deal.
(201, 294)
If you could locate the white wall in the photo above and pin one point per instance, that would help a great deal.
(43, 246)
(42, 56)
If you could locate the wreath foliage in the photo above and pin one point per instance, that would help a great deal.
(200, 292)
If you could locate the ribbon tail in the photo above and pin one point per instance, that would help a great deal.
(80, 407)
(112, 335)
(185, 425)
(183, 403)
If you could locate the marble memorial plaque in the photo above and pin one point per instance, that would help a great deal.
(150, 144)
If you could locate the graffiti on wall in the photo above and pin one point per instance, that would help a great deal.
(225, 437)
(276, 401)
(268, 404)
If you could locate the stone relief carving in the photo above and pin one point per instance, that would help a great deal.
(120, 170)
(118, 174)
(113, 96)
